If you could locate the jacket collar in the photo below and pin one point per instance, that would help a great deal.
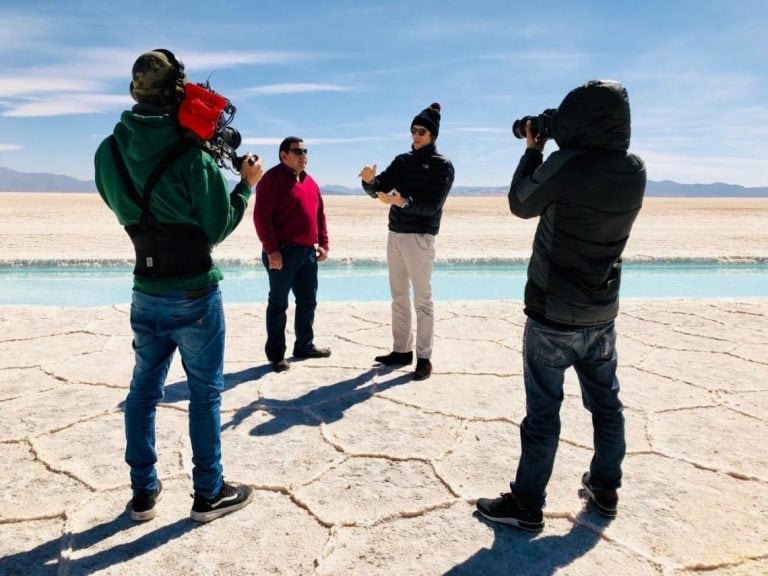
(424, 152)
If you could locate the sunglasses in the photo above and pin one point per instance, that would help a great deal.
(419, 131)
(298, 151)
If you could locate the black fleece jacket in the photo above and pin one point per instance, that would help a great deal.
(587, 194)
(422, 176)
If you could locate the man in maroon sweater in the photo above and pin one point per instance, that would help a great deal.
(290, 222)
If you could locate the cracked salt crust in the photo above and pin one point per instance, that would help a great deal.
(360, 470)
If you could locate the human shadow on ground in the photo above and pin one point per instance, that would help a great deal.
(318, 406)
(51, 557)
(179, 391)
(530, 554)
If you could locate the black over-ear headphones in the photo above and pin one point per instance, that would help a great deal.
(175, 92)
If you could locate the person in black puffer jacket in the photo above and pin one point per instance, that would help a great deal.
(419, 182)
(587, 194)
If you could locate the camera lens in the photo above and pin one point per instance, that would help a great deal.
(518, 128)
(230, 136)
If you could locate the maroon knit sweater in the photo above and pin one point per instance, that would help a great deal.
(289, 210)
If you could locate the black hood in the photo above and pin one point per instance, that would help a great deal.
(595, 115)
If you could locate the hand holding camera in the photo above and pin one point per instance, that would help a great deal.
(251, 169)
(535, 129)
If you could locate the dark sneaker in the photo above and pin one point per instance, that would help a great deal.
(395, 359)
(143, 504)
(423, 369)
(506, 510)
(231, 497)
(605, 502)
(280, 366)
(312, 353)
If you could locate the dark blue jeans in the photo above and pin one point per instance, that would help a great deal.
(298, 274)
(547, 353)
(161, 324)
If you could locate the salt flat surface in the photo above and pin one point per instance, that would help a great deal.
(81, 227)
(361, 470)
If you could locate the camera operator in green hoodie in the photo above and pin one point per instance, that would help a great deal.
(171, 196)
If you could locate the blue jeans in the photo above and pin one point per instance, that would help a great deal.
(547, 353)
(298, 274)
(162, 323)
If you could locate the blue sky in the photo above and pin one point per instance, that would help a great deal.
(348, 76)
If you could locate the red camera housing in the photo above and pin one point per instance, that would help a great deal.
(201, 110)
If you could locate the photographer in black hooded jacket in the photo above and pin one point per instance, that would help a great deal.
(587, 195)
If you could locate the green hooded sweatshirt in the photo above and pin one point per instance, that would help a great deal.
(193, 190)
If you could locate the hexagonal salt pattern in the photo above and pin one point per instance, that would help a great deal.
(358, 469)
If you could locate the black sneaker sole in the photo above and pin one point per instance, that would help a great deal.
(608, 512)
(218, 512)
(521, 524)
(145, 515)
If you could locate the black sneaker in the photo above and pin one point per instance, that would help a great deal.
(605, 502)
(231, 497)
(506, 510)
(423, 369)
(280, 366)
(312, 353)
(395, 359)
(143, 504)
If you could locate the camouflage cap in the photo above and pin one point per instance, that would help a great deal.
(158, 78)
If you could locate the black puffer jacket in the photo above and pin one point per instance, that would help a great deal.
(424, 177)
(588, 194)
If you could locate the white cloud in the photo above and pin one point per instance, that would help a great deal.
(69, 104)
(270, 141)
(266, 141)
(80, 69)
(14, 86)
(344, 140)
(537, 56)
(296, 88)
(10, 147)
(479, 130)
(20, 30)
(218, 60)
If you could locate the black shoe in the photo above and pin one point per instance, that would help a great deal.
(395, 359)
(312, 353)
(280, 366)
(143, 504)
(605, 502)
(231, 497)
(423, 369)
(506, 510)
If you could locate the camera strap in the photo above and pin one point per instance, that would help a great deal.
(142, 201)
(163, 249)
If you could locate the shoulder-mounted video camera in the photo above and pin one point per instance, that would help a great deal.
(209, 115)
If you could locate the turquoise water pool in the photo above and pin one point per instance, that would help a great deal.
(106, 285)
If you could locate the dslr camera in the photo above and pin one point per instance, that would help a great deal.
(541, 125)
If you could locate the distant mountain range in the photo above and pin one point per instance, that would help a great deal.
(13, 181)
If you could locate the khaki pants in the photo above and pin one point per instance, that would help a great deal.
(410, 258)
